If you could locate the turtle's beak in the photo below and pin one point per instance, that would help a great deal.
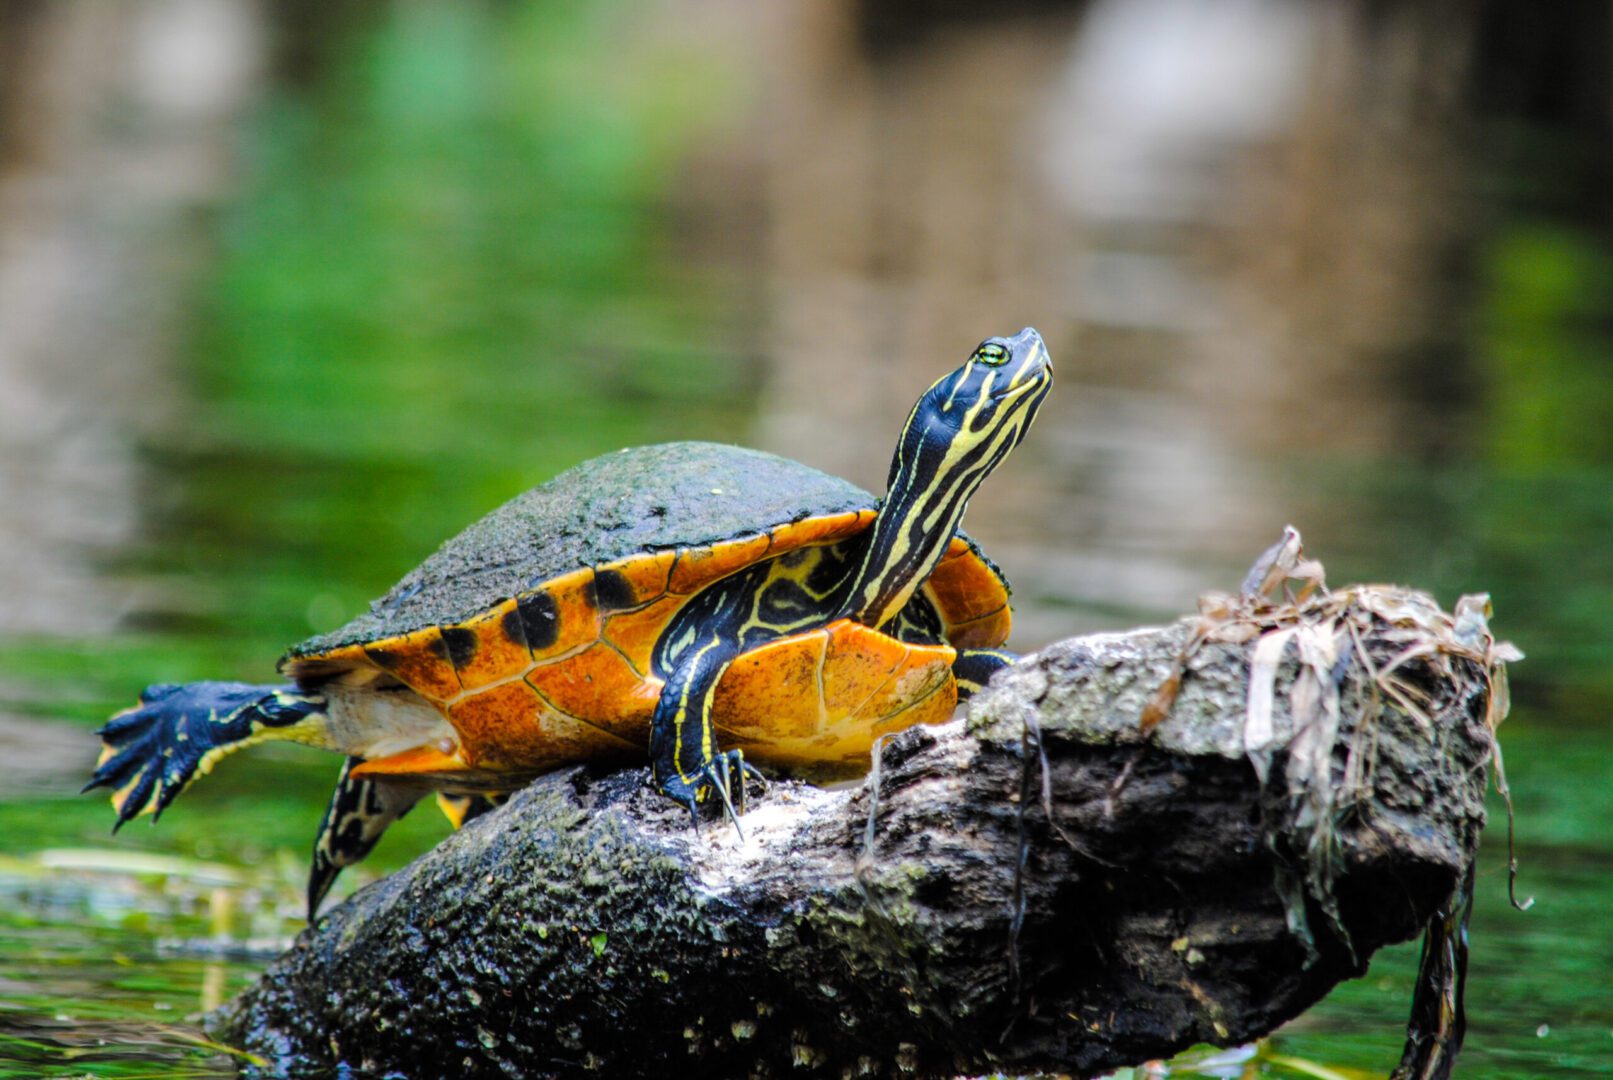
(1029, 363)
(1028, 348)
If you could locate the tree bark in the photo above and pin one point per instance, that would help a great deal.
(1202, 880)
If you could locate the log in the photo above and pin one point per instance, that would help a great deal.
(1130, 844)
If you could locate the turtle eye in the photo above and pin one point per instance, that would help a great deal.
(991, 353)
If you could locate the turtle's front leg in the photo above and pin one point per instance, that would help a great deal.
(685, 764)
(974, 668)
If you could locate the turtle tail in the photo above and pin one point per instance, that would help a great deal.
(152, 752)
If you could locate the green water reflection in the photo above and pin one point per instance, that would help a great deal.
(448, 277)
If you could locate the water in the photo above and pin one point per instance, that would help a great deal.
(362, 285)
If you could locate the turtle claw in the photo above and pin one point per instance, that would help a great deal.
(686, 793)
(717, 774)
(152, 752)
(726, 774)
(135, 799)
(750, 772)
(138, 759)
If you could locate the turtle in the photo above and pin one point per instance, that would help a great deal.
(721, 606)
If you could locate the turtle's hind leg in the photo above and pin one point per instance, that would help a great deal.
(152, 752)
(359, 812)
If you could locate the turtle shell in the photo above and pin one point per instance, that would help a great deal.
(532, 631)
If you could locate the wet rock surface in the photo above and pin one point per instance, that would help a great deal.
(1172, 897)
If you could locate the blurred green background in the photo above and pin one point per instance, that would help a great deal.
(291, 292)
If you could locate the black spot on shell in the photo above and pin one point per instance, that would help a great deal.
(438, 648)
(611, 591)
(511, 624)
(540, 619)
(461, 645)
(385, 659)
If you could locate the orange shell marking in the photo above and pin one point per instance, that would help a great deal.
(699, 567)
(820, 698)
(637, 633)
(420, 661)
(422, 761)
(972, 601)
(598, 686)
(512, 728)
(496, 655)
(814, 700)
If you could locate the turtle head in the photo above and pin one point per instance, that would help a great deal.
(957, 433)
(982, 410)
